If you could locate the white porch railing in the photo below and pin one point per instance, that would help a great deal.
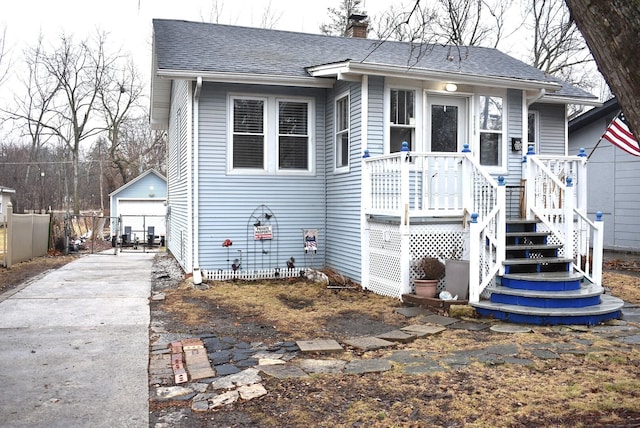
(439, 185)
(556, 190)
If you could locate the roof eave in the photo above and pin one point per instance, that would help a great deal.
(161, 84)
(348, 67)
(565, 99)
(248, 78)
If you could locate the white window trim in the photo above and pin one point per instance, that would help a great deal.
(310, 135)
(271, 142)
(503, 167)
(418, 127)
(347, 167)
(230, 101)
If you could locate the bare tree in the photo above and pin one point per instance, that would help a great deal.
(120, 94)
(80, 71)
(610, 29)
(270, 18)
(557, 45)
(452, 22)
(33, 110)
(215, 12)
(4, 68)
(339, 17)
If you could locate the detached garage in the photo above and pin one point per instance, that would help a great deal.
(140, 206)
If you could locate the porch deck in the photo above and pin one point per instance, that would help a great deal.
(447, 206)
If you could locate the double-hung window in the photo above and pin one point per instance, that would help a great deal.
(402, 123)
(248, 134)
(293, 135)
(270, 134)
(491, 130)
(342, 132)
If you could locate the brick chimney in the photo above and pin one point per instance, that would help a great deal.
(357, 26)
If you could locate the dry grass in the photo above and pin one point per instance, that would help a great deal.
(599, 385)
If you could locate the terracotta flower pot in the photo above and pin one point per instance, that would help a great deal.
(426, 287)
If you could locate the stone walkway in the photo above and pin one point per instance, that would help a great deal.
(213, 371)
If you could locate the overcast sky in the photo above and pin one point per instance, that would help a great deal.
(128, 22)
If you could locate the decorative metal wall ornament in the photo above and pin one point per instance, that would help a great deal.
(262, 239)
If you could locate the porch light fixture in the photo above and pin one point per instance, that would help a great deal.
(152, 193)
(450, 87)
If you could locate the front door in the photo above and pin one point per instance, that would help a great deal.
(446, 123)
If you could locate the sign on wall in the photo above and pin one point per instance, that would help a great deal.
(310, 240)
(262, 232)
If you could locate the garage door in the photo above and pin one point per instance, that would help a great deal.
(139, 214)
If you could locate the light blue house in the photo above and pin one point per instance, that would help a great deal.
(139, 205)
(613, 176)
(385, 152)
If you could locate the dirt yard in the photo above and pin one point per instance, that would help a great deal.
(595, 383)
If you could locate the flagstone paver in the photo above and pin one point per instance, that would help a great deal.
(238, 365)
(467, 325)
(422, 330)
(397, 336)
(376, 365)
(413, 311)
(510, 328)
(438, 319)
(249, 392)
(369, 343)
(283, 371)
(319, 345)
(322, 366)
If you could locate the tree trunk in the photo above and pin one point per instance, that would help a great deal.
(610, 29)
(76, 198)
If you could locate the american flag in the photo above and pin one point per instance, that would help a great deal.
(618, 134)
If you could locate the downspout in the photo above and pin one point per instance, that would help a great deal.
(528, 101)
(364, 138)
(197, 275)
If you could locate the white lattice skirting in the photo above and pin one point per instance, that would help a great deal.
(443, 241)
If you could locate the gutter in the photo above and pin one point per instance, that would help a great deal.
(347, 67)
(197, 275)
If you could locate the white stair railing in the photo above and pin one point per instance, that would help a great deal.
(556, 189)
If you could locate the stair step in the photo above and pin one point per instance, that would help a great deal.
(542, 281)
(526, 234)
(587, 295)
(609, 308)
(545, 260)
(532, 247)
(586, 290)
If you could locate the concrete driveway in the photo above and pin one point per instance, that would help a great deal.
(74, 346)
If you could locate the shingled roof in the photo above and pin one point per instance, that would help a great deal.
(184, 49)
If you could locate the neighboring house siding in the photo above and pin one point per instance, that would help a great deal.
(343, 188)
(178, 164)
(227, 200)
(612, 176)
(552, 128)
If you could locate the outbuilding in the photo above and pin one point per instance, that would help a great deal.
(138, 208)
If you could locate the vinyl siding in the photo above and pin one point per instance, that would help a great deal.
(514, 130)
(612, 176)
(177, 177)
(343, 188)
(552, 128)
(227, 200)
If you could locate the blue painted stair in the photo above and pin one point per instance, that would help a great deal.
(539, 287)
